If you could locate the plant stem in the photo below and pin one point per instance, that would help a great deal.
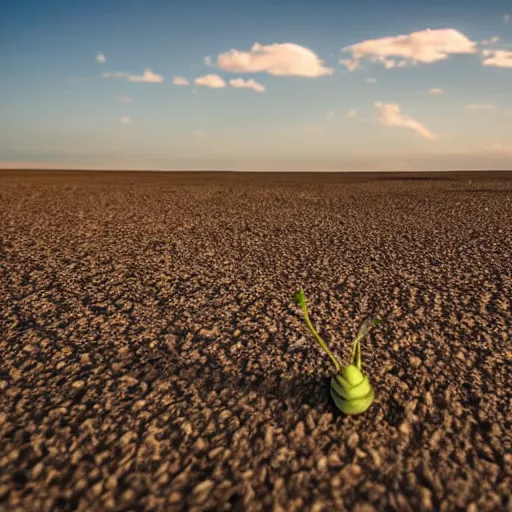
(321, 342)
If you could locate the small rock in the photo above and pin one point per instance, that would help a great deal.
(97, 489)
(415, 361)
(201, 491)
(175, 497)
(208, 334)
(300, 430)
(321, 465)
(128, 438)
(377, 461)
(364, 507)
(200, 444)
(139, 405)
(405, 428)
(128, 496)
(78, 384)
(225, 414)
(37, 470)
(216, 451)
(353, 441)
(81, 485)
(334, 460)
(426, 499)
(130, 381)
(187, 428)
(111, 482)
(269, 436)
(85, 359)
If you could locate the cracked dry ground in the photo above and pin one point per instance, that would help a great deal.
(152, 358)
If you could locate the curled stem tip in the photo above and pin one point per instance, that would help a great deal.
(363, 331)
(300, 300)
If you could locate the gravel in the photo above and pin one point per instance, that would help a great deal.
(152, 357)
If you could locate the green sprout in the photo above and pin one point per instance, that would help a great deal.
(350, 389)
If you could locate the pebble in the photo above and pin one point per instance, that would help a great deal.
(111, 482)
(353, 440)
(128, 496)
(321, 465)
(415, 361)
(175, 497)
(201, 491)
(200, 444)
(37, 470)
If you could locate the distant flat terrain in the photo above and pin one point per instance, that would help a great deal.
(151, 357)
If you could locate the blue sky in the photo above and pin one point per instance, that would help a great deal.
(321, 85)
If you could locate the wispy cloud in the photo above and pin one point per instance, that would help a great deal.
(330, 115)
(179, 80)
(125, 120)
(101, 58)
(350, 64)
(352, 114)
(370, 80)
(425, 46)
(148, 77)
(124, 99)
(499, 148)
(389, 115)
(208, 61)
(240, 83)
(212, 81)
(480, 106)
(436, 90)
(278, 59)
(506, 18)
(492, 40)
(497, 58)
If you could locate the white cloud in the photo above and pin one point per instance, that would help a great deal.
(436, 90)
(350, 64)
(423, 46)
(148, 77)
(101, 58)
(492, 40)
(499, 148)
(389, 114)
(506, 18)
(480, 106)
(179, 80)
(125, 120)
(352, 114)
(330, 115)
(247, 84)
(125, 99)
(208, 60)
(212, 81)
(370, 80)
(497, 58)
(286, 59)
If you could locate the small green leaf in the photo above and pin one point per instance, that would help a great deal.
(299, 298)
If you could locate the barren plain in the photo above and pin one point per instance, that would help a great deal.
(151, 357)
